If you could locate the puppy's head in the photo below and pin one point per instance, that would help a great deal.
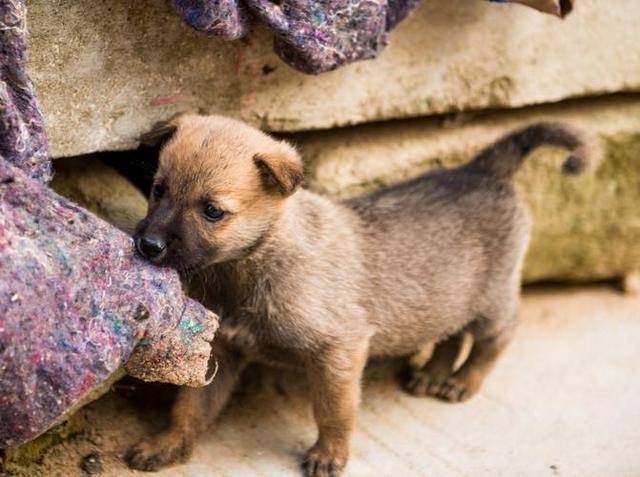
(219, 189)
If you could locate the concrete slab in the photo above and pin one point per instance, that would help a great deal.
(563, 401)
(106, 71)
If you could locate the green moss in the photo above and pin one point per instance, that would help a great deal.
(588, 227)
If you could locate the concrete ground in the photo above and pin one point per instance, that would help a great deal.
(564, 400)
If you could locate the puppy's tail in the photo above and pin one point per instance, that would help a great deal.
(504, 157)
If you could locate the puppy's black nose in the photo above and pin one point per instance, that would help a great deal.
(151, 246)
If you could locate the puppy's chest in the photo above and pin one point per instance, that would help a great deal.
(256, 320)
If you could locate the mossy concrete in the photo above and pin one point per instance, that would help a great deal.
(106, 71)
(585, 228)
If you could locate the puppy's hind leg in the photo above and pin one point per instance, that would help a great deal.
(192, 413)
(488, 342)
(427, 379)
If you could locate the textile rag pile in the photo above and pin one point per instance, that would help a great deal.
(76, 302)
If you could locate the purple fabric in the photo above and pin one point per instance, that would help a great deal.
(76, 303)
(224, 18)
(22, 137)
(312, 36)
(321, 35)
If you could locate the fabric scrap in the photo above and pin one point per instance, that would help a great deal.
(76, 303)
(318, 36)
(23, 140)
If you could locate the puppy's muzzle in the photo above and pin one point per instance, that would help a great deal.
(152, 247)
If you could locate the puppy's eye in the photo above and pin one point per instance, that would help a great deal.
(212, 213)
(158, 190)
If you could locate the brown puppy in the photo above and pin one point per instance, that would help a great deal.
(301, 279)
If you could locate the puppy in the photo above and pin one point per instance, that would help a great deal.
(320, 284)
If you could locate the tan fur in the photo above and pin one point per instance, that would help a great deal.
(305, 281)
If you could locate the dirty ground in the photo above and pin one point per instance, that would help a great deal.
(562, 401)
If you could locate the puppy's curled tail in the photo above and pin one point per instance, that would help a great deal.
(504, 157)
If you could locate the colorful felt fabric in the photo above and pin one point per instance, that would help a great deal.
(22, 137)
(76, 302)
(317, 36)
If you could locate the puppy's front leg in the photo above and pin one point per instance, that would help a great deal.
(334, 377)
(192, 413)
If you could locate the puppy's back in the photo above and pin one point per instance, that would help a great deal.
(448, 246)
(432, 247)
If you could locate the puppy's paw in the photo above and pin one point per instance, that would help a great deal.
(159, 451)
(442, 385)
(421, 382)
(454, 389)
(320, 462)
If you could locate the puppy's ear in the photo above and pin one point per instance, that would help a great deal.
(159, 134)
(280, 168)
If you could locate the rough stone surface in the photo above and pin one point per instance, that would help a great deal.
(105, 71)
(585, 228)
(561, 402)
(102, 190)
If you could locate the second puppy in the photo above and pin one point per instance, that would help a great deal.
(321, 284)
